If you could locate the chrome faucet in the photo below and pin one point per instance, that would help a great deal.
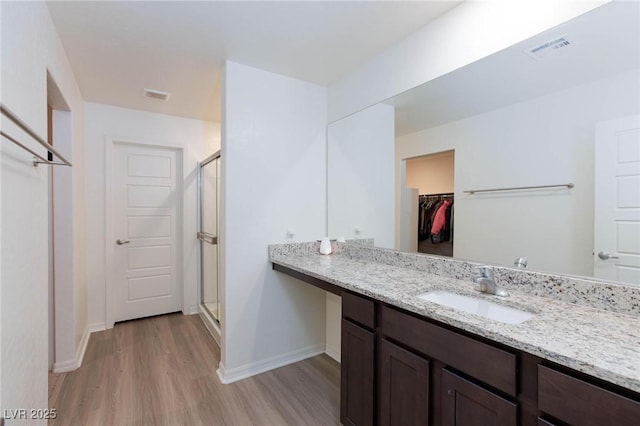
(521, 262)
(487, 282)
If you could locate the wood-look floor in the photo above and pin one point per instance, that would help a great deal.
(161, 371)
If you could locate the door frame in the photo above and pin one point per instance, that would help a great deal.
(200, 165)
(181, 220)
(68, 346)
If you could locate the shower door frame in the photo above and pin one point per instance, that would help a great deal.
(203, 236)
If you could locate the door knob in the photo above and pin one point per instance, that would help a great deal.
(606, 256)
(121, 242)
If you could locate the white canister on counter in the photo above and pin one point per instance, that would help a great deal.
(325, 246)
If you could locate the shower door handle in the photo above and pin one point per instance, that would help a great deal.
(121, 242)
(207, 238)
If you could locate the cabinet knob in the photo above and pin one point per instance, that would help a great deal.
(449, 392)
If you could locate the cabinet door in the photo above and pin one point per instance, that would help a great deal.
(404, 387)
(577, 402)
(465, 403)
(356, 381)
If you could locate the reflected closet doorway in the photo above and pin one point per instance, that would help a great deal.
(433, 177)
(209, 209)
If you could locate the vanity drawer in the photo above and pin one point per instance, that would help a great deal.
(358, 309)
(487, 363)
(574, 401)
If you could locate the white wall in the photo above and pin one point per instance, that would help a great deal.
(467, 33)
(198, 138)
(273, 179)
(360, 173)
(30, 47)
(547, 140)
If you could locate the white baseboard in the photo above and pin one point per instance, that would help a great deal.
(333, 352)
(82, 348)
(238, 373)
(76, 362)
(96, 326)
(191, 310)
(65, 366)
(221, 372)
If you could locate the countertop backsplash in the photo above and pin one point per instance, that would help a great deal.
(313, 247)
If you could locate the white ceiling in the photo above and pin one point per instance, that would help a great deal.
(604, 42)
(117, 48)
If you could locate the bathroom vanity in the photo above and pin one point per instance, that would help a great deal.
(406, 360)
(430, 373)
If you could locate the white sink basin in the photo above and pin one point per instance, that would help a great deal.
(476, 306)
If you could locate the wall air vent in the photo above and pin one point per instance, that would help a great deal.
(157, 94)
(548, 48)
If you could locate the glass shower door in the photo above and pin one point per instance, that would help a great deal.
(209, 180)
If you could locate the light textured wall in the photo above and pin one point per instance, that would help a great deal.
(467, 33)
(432, 174)
(30, 47)
(360, 150)
(104, 121)
(547, 140)
(273, 179)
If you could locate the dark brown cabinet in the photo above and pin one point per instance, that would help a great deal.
(404, 387)
(393, 371)
(577, 402)
(357, 375)
(423, 361)
(400, 369)
(357, 382)
(464, 403)
(485, 362)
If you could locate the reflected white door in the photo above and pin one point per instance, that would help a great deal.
(145, 199)
(617, 200)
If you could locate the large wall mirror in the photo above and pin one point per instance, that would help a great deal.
(559, 108)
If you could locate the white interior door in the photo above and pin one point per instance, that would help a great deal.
(146, 196)
(617, 200)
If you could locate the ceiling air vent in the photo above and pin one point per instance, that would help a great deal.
(548, 48)
(157, 94)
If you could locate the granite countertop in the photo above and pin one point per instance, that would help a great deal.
(600, 343)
